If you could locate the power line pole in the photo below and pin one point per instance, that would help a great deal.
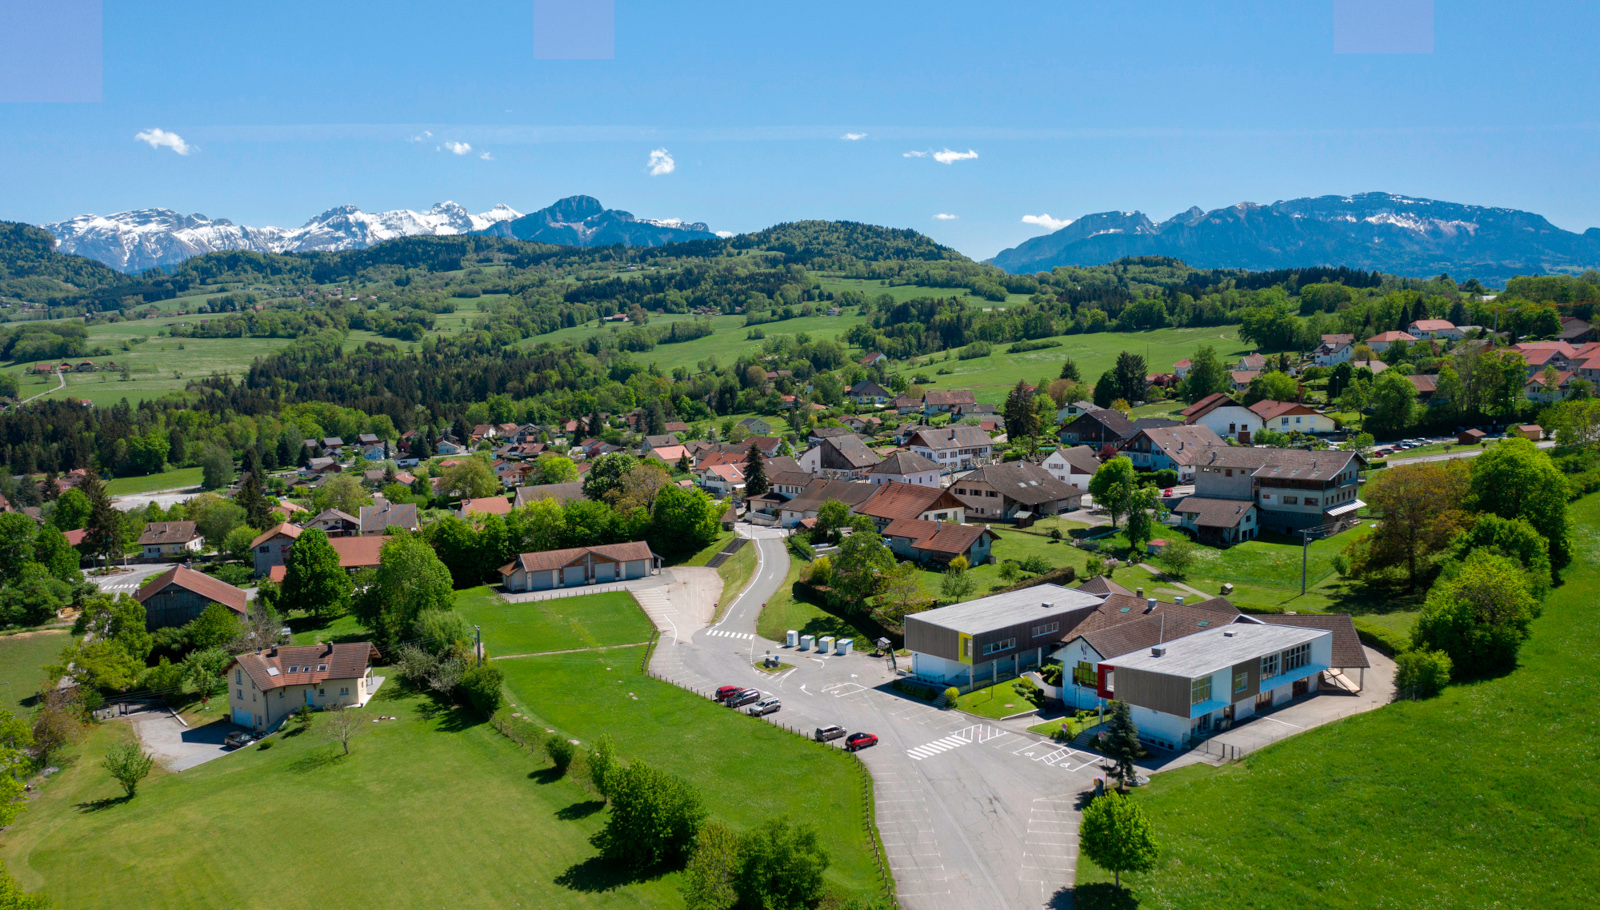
(478, 634)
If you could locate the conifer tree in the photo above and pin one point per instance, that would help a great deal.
(1121, 744)
(755, 473)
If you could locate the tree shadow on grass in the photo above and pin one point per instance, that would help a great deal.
(109, 802)
(1098, 896)
(596, 875)
(450, 718)
(317, 759)
(580, 810)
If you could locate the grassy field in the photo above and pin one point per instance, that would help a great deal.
(22, 659)
(991, 377)
(999, 700)
(736, 573)
(181, 478)
(747, 770)
(1479, 798)
(1016, 545)
(558, 624)
(499, 833)
(784, 612)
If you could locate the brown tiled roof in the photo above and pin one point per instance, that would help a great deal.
(942, 398)
(555, 559)
(489, 505)
(1425, 383)
(940, 438)
(167, 532)
(357, 552)
(946, 537)
(286, 529)
(1347, 650)
(1121, 625)
(892, 501)
(1114, 421)
(1214, 513)
(846, 453)
(1024, 482)
(198, 582)
(1268, 409)
(1080, 457)
(1182, 443)
(848, 492)
(305, 665)
(334, 515)
(1295, 464)
(1206, 405)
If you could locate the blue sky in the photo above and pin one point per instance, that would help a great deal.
(290, 108)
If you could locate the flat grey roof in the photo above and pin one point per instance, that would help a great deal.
(1204, 653)
(1009, 609)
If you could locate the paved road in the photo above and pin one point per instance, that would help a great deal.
(1463, 452)
(972, 815)
(126, 580)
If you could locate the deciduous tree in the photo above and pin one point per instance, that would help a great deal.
(313, 581)
(1113, 485)
(1479, 617)
(1420, 505)
(128, 765)
(781, 867)
(708, 879)
(1116, 835)
(410, 580)
(1515, 479)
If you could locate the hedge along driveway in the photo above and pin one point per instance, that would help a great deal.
(746, 770)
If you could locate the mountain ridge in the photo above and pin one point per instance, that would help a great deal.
(1382, 232)
(139, 239)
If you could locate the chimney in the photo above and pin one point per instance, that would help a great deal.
(1138, 592)
(1178, 600)
(1150, 605)
(1158, 651)
(1227, 633)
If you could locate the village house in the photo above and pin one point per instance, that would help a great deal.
(335, 523)
(562, 493)
(1223, 416)
(1334, 350)
(379, 518)
(267, 686)
(953, 448)
(1435, 328)
(1170, 448)
(1018, 491)
(170, 540)
(935, 543)
(905, 467)
(867, 393)
(1097, 427)
(887, 503)
(1292, 489)
(839, 457)
(1290, 416)
(1072, 465)
(938, 401)
(487, 505)
(1383, 340)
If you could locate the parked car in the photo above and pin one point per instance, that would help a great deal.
(238, 739)
(745, 697)
(764, 707)
(860, 741)
(726, 692)
(828, 733)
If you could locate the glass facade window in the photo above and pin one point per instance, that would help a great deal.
(1200, 690)
(1084, 674)
(1269, 666)
(1297, 657)
(995, 647)
(1241, 681)
(1045, 629)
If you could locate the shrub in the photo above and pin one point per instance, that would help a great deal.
(1036, 565)
(1055, 533)
(1166, 477)
(561, 750)
(780, 866)
(950, 696)
(975, 350)
(1051, 674)
(1422, 673)
(481, 686)
(1022, 347)
(654, 817)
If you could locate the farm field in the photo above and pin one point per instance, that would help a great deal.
(181, 478)
(991, 377)
(747, 771)
(1466, 800)
(499, 832)
(559, 624)
(23, 657)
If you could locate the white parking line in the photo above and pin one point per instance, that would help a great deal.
(721, 634)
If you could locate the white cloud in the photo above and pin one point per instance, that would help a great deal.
(159, 138)
(486, 156)
(459, 148)
(914, 155)
(723, 234)
(424, 135)
(947, 157)
(852, 137)
(1045, 221)
(661, 163)
(945, 216)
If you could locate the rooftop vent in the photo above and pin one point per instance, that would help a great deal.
(1227, 633)
(1149, 604)
(1158, 651)
(1178, 600)
(1138, 592)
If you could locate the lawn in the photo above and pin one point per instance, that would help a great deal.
(558, 624)
(710, 550)
(1479, 798)
(427, 811)
(23, 656)
(736, 572)
(181, 478)
(307, 630)
(748, 771)
(999, 700)
(1017, 545)
(784, 612)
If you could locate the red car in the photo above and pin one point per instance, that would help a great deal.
(857, 741)
(726, 692)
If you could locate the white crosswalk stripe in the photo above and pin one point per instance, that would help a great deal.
(977, 734)
(721, 634)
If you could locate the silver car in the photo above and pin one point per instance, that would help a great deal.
(764, 707)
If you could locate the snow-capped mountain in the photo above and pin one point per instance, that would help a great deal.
(1374, 231)
(583, 221)
(145, 238)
